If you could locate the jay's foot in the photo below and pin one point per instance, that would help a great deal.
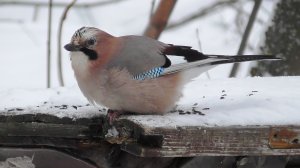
(112, 115)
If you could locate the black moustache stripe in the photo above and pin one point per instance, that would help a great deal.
(90, 53)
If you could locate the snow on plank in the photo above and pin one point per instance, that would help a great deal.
(247, 101)
(250, 116)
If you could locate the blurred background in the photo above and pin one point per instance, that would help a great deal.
(213, 27)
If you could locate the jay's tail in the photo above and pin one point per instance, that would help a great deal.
(209, 61)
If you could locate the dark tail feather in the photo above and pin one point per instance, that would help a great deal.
(241, 58)
(191, 55)
(213, 60)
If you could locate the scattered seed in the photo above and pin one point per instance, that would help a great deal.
(203, 97)
(180, 111)
(75, 107)
(195, 104)
(45, 102)
(63, 106)
(188, 112)
(206, 108)
(254, 91)
(223, 91)
(87, 105)
(172, 111)
(201, 113)
(197, 112)
(222, 97)
(19, 109)
(10, 110)
(250, 94)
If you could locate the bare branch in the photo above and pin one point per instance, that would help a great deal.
(49, 43)
(58, 4)
(200, 48)
(35, 13)
(152, 8)
(203, 12)
(160, 18)
(246, 34)
(198, 39)
(59, 59)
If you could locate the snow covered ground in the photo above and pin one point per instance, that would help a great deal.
(244, 101)
(23, 39)
(249, 101)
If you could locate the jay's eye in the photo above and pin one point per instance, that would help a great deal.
(91, 41)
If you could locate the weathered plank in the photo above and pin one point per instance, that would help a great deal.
(41, 130)
(211, 141)
(146, 141)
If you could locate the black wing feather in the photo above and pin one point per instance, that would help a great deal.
(189, 54)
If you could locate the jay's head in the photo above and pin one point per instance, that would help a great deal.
(84, 40)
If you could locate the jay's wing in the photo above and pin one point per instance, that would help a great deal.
(144, 57)
(140, 54)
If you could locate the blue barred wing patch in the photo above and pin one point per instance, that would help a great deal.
(152, 73)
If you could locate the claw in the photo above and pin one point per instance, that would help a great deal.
(112, 115)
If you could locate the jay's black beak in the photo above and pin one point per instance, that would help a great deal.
(72, 47)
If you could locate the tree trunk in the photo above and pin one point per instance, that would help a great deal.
(160, 18)
(282, 39)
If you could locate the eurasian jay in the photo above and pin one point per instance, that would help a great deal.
(133, 73)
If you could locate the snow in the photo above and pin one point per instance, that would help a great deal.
(60, 102)
(246, 101)
(23, 44)
(17, 162)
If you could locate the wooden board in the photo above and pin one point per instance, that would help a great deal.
(210, 141)
(42, 130)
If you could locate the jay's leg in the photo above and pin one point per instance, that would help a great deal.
(112, 115)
